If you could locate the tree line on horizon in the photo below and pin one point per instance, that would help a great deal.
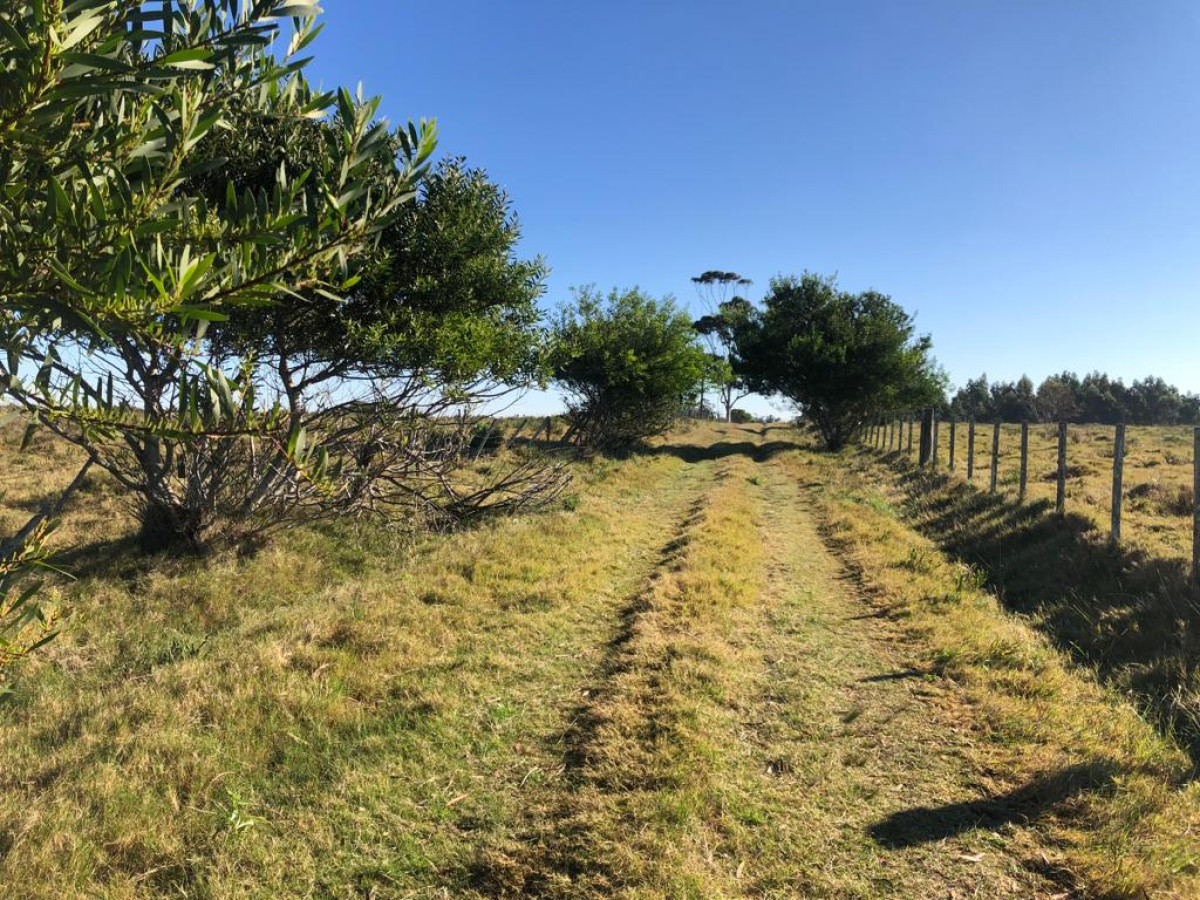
(1094, 398)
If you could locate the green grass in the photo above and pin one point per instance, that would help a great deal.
(725, 667)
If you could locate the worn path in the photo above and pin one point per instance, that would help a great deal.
(752, 727)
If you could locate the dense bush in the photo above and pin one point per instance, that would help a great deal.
(838, 356)
(627, 363)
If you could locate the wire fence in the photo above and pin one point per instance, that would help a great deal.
(1084, 466)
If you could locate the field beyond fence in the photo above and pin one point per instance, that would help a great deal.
(1109, 574)
(1157, 499)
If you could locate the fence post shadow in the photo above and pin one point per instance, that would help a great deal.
(1131, 617)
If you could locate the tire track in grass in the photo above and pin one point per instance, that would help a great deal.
(849, 733)
(641, 501)
(640, 810)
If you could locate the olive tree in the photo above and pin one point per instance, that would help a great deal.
(115, 273)
(839, 356)
(626, 362)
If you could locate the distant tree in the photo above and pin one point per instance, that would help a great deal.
(1189, 409)
(1014, 401)
(973, 400)
(624, 360)
(1152, 401)
(741, 417)
(1065, 397)
(723, 313)
(840, 357)
(1058, 398)
(1102, 400)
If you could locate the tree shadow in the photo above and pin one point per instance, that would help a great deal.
(690, 453)
(928, 824)
(115, 557)
(1131, 617)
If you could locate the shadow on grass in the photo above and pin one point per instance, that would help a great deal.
(722, 450)
(928, 824)
(1131, 617)
(108, 557)
(899, 675)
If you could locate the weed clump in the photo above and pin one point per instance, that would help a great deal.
(1179, 500)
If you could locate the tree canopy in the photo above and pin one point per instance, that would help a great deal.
(114, 263)
(838, 356)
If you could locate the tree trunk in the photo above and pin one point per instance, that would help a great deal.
(170, 526)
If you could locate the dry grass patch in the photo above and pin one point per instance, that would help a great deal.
(642, 808)
(1065, 752)
(343, 713)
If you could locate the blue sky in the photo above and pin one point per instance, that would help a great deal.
(1024, 175)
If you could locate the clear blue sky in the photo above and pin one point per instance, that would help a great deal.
(1024, 175)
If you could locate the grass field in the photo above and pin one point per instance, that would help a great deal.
(729, 666)
(1158, 477)
(1128, 613)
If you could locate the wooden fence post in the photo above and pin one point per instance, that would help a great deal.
(487, 435)
(1196, 505)
(926, 437)
(1118, 475)
(933, 459)
(1024, 459)
(970, 448)
(1060, 500)
(995, 455)
(516, 434)
(953, 429)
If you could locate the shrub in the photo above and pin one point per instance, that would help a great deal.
(25, 625)
(740, 417)
(1167, 501)
(627, 363)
